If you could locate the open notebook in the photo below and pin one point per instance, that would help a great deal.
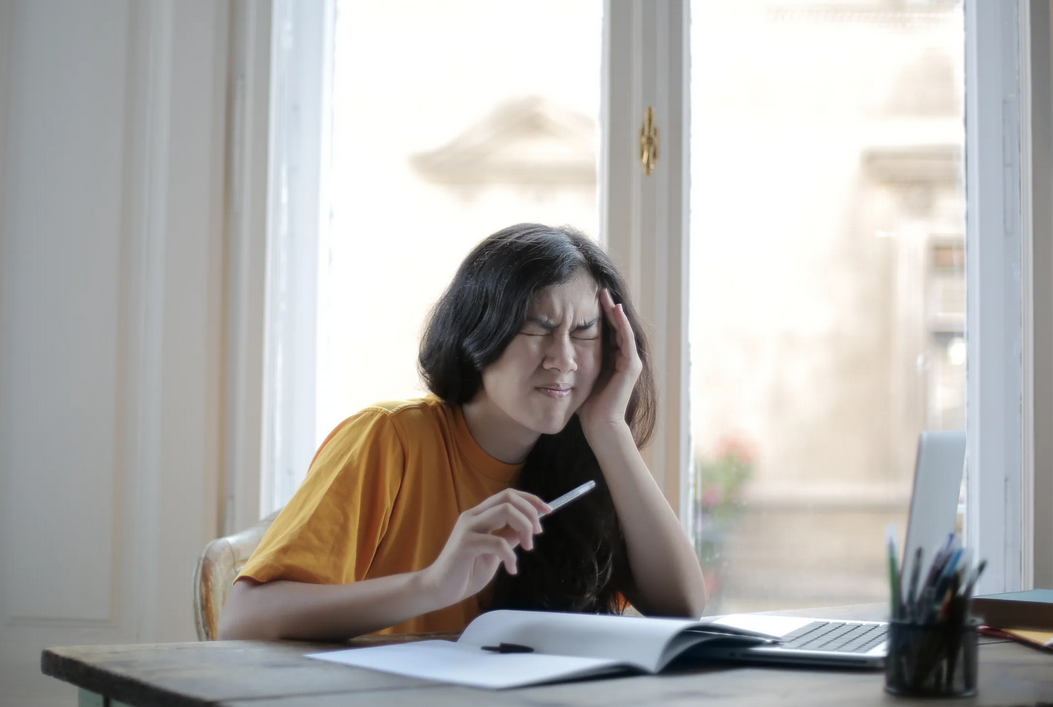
(502, 649)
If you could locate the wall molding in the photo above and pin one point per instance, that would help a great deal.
(150, 106)
(248, 130)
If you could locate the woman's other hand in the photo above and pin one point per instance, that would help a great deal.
(484, 538)
(610, 396)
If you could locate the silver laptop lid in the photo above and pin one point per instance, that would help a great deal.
(934, 501)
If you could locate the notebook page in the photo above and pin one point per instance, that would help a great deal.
(462, 664)
(641, 642)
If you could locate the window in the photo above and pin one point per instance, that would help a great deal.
(827, 286)
(447, 126)
(644, 222)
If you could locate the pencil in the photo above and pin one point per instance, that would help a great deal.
(893, 570)
(912, 588)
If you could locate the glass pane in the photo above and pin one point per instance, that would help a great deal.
(451, 120)
(827, 276)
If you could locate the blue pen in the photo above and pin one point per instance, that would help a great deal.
(938, 560)
(927, 594)
(943, 581)
(952, 564)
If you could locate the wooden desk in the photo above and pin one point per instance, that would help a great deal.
(251, 674)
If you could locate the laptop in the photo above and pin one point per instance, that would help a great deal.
(835, 642)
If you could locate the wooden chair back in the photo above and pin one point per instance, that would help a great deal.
(216, 569)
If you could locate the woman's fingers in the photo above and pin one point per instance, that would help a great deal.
(484, 538)
(616, 318)
(499, 547)
(507, 515)
(623, 330)
(486, 535)
(529, 504)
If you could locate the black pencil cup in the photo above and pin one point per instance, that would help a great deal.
(931, 659)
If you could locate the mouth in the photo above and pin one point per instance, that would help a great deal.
(555, 391)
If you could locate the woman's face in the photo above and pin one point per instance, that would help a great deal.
(551, 365)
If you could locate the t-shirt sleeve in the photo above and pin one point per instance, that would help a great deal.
(330, 530)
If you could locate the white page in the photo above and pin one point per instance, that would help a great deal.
(760, 624)
(646, 643)
(463, 664)
(564, 646)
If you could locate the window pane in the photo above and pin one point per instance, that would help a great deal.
(827, 276)
(451, 120)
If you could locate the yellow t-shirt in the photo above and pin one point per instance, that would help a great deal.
(381, 498)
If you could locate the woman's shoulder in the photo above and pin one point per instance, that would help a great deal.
(414, 412)
(386, 425)
(409, 417)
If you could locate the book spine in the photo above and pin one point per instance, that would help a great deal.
(1013, 614)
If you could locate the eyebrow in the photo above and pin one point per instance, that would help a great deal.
(548, 325)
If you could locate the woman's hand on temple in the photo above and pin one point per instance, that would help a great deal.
(484, 538)
(609, 399)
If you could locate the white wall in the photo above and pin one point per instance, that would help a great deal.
(120, 277)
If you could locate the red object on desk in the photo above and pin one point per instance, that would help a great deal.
(1043, 640)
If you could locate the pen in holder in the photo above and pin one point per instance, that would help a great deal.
(932, 639)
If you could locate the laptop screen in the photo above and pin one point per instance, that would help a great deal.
(934, 501)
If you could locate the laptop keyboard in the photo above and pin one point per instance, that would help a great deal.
(837, 636)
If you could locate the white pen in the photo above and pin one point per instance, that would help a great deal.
(570, 496)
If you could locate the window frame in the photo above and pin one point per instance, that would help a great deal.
(644, 219)
(302, 66)
(246, 213)
(644, 224)
(1002, 230)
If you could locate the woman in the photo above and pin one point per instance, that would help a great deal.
(540, 381)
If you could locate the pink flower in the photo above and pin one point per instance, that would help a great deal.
(734, 446)
(712, 496)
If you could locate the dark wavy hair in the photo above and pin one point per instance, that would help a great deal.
(579, 563)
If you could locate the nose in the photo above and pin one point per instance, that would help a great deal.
(560, 354)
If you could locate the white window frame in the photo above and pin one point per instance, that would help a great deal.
(249, 125)
(1002, 225)
(644, 223)
(302, 62)
(644, 218)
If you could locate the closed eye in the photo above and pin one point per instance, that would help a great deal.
(587, 331)
(535, 329)
(538, 326)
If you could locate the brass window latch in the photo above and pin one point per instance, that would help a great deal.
(649, 142)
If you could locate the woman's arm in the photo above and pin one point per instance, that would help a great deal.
(484, 538)
(665, 570)
(297, 610)
(666, 573)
